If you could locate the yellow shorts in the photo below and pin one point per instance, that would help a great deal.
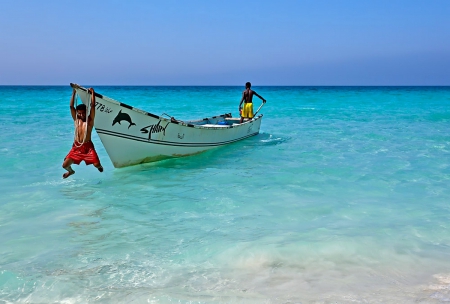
(247, 111)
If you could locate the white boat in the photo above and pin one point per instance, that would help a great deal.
(132, 136)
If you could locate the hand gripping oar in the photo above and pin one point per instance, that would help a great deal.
(259, 108)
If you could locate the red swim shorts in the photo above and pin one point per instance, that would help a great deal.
(84, 152)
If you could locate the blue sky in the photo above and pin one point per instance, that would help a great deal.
(304, 42)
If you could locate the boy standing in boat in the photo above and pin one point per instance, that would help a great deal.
(247, 98)
(82, 148)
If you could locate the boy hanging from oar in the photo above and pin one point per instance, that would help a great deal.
(82, 148)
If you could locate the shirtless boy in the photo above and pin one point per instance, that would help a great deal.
(247, 98)
(82, 148)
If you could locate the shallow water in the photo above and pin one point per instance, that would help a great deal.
(342, 197)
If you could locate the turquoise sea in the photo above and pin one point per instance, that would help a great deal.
(344, 197)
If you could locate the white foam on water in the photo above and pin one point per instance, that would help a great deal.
(338, 272)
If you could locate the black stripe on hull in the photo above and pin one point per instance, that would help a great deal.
(171, 143)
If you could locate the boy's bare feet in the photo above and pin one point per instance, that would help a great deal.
(67, 174)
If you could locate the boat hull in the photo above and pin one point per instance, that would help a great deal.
(132, 136)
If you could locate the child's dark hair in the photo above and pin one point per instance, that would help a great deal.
(81, 107)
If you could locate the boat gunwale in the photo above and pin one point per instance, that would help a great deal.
(179, 122)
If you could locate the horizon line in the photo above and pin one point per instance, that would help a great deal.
(223, 85)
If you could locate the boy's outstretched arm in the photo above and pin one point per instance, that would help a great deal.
(92, 110)
(73, 112)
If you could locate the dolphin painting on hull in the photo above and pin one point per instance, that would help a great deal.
(123, 116)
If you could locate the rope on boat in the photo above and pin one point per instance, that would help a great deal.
(88, 111)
